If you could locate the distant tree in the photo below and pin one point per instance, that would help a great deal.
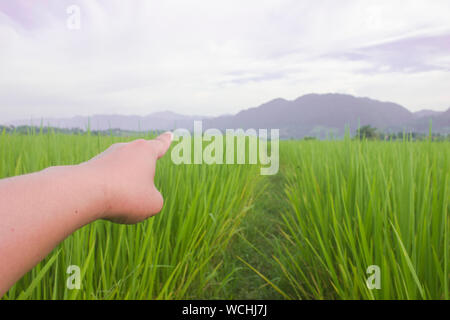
(367, 132)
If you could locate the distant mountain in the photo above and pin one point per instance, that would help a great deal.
(316, 115)
(426, 113)
(165, 120)
(324, 114)
(440, 122)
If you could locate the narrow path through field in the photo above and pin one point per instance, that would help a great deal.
(260, 229)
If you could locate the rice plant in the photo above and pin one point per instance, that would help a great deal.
(175, 255)
(336, 209)
(359, 204)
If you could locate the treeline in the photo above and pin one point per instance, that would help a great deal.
(27, 130)
(372, 133)
(365, 132)
(35, 130)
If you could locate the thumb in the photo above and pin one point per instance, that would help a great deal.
(162, 143)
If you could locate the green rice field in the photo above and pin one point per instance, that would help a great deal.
(334, 209)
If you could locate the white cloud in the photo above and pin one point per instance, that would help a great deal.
(210, 57)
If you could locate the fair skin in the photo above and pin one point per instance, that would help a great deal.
(39, 210)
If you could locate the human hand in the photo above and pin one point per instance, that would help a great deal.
(126, 174)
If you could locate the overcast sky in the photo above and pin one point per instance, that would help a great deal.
(214, 57)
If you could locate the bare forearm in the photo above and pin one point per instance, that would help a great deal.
(39, 210)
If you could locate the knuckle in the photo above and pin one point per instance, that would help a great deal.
(155, 143)
(140, 142)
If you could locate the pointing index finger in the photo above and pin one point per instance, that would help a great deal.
(162, 144)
